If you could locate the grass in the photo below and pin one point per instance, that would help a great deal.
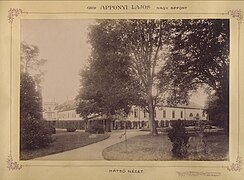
(63, 142)
(158, 148)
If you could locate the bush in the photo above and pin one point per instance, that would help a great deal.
(49, 126)
(96, 127)
(71, 129)
(95, 130)
(51, 130)
(185, 122)
(179, 137)
(34, 134)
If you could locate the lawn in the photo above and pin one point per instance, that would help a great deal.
(158, 148)
(64, 141)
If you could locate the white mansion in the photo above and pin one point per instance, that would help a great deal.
(67, 111)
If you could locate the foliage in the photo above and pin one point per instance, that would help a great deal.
(179, 137)
(200, 52)
(96, 128)
(164, 59)
(71, 129)
(64, 124)
(33, 133)
(64, 142)
(126, 56)
(30, 61)
(107, 87)
(200, 56)
(30, 100)
(218, 111)
(51, 129)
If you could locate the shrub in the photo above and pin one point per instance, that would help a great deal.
(71, 129)
(179, 137)
(34, 134)
(128, 125)
(96, 128)
(51, 130)
(49, 126)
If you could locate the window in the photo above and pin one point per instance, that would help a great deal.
(136, 113)
(197, 116)
(203, 114)
(145, 113)
(49, 115)
(181, 114)
(164, 113)
(73, 115)
(173, 114)
(191, 115)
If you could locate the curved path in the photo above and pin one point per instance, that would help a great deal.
(93, 151)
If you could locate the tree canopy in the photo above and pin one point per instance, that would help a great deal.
(33, 133)
(107, 86)
(164, 59)
(30, 100)
(200, 52)
(200, 56)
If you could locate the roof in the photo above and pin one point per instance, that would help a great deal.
(67, 106)
(190, 105)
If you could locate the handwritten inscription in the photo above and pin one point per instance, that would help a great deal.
(196, 173)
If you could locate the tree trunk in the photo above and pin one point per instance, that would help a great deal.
(152, 123)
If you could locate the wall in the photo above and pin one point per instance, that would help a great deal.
(137, 114)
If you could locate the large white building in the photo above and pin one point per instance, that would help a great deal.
(67, 111)
(183, 112)
(49, 112)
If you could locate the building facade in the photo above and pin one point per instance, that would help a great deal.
(62, 112)
(49, 111)
(187, 112)
(64, 115)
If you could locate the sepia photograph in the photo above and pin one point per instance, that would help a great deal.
(124, 89)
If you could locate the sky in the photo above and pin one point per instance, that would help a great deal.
(63, 43)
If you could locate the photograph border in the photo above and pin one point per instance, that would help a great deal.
(15, 13)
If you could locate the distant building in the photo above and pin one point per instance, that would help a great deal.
(67, 111)
(183, 112)
(64, 111)
(49, 112)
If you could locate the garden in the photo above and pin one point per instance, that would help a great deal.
(63, 141)
(158, 148)
(176, 143)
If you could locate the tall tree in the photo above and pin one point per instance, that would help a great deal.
(31, 63)
(30, 100)
(33, 133)
(107, 86)
(147, 42)
(200, 55)
(144, 43)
